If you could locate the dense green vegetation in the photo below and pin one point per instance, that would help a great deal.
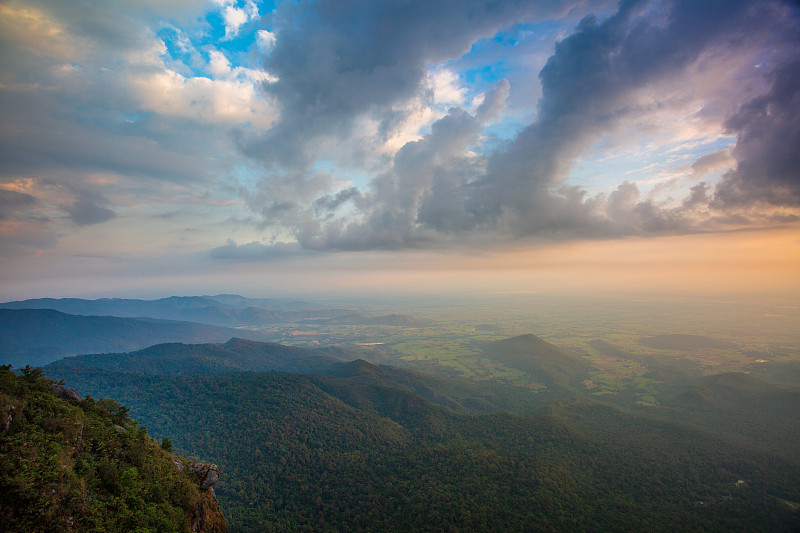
(84, 465)
(360, 449)
(205, 359)
(484, 427)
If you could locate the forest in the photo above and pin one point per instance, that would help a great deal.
(75, 464)
(442, 419)
(355, 447)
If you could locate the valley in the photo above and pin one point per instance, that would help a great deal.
(433, 417)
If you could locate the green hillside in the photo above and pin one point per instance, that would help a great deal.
(236, 355)
(72, 464)
(205, 359)
(360, 449)
(546, 363)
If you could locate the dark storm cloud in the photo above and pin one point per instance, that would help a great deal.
(587, 88)
(336, 60)
(434, 194)
(767, 149)
(333, 66)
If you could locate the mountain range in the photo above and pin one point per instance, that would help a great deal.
(40, 336)
(220, 310)
(349, 445)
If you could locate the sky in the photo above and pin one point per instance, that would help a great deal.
(160, 147)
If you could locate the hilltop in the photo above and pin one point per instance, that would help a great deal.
(546, 363)
(205, 359)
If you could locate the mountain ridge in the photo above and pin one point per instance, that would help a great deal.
(222, 310)
(40, 336)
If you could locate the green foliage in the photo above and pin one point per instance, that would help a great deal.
(352, 453)
(83, 466)
(166, 444)
(205, 359)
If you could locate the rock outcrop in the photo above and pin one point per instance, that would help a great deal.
(207, 516)
(66, 393)
(6, 417)
(207, 474)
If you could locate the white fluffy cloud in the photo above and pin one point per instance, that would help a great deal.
(265, 40)
(231, 97)
(236, 17)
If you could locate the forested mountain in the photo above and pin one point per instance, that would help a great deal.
(364, 447)
(39, 336)
(548, 364)
(73, 464)
(205, 359)
(221, 310)
(740, 406)
(329, 363)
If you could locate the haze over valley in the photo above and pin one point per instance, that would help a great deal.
(341, 415)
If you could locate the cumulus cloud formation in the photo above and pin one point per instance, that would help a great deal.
(123, 89)
(768, 134)
(232, 97)
(600, 77)
(614, 77)
(338, 60)
(361, 125)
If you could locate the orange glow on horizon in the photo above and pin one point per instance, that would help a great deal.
(730, 262)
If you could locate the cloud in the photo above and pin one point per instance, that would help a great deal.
(236, 17)
(611, 76)
(712, 162)
(265, 40)
(600, 78)
(14, 202)
(88, 88)
(254, 251)
(766, 152)
(79, 99)
(232, 98)
(337, 61)
(364, 125)
(88, 208)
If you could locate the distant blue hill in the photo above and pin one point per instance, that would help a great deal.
(40, 336)
(220, 310)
